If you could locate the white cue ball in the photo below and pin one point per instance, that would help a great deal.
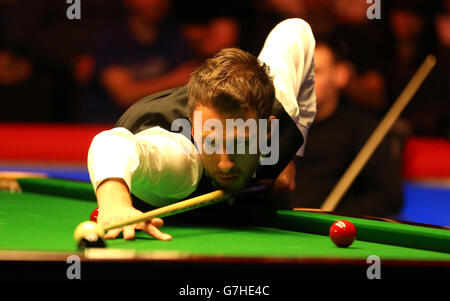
(86, 229)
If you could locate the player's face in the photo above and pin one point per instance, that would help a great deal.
(230, 171)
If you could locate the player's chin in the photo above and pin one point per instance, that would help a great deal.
(236, 186)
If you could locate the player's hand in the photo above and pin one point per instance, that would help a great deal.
(107, 216)
(285, 182)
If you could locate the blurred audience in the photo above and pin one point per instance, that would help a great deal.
(442, 24)
(259, 17)
(209, 28)
(208, 38)
(121, 50)
(365, 40)
(144, 54)
(13, 68)
(412, 39)
(335, 138)
(39, 33)
(26, 88)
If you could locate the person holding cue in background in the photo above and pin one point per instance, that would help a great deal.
(146, 157)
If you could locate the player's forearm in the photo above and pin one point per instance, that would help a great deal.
(285, 182)
(113, 192)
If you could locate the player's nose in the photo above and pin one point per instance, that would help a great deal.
(225, 163)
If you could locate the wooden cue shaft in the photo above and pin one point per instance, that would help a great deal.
(186, 205)
(380, 132)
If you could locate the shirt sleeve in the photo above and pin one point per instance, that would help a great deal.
(158, 166)
(289, 52)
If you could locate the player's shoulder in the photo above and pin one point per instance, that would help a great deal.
(296, 24)
(293, 32)
(162, 95)
(161, 109)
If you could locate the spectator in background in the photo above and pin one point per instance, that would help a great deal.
(365, 42)
(25, 88)
(56, 50)
(412, 39)
(143, 55)
(28, 85)
(335, 138)
(209, 37)
(209, 28)
(320, 14)
(265, 14)
(442, 23)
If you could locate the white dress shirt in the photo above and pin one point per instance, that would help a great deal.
(162, 167)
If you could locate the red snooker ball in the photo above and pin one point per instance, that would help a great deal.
(342, 233)
(94, 215)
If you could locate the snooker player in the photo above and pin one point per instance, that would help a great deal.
(145, 157)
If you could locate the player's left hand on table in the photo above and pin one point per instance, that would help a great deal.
(285, 182)
(151, 227)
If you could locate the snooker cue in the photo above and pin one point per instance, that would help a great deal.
(380, 132)
(183, 206)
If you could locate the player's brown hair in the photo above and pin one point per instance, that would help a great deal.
(232, 81)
